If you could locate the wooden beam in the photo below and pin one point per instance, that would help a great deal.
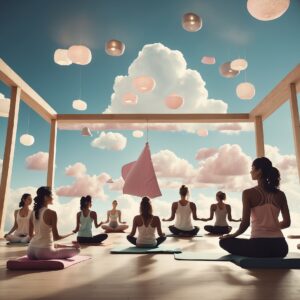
(295, 123)
(152, 118)
(259, 136)
(28, 95)
(52, 154)
(9, 152)
(278, 96)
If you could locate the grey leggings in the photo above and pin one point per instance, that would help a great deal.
(51, 253)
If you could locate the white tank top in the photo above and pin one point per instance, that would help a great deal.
(221, 215)
(23, 224)
(146, 234)
(264, 217)
(184, 217)
(43, 232)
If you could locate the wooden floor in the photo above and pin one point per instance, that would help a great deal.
(159, 276)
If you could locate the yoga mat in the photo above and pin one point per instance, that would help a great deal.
(135, 250)
(183, 236)
(291, 261)
(17, 244)
(24, 263)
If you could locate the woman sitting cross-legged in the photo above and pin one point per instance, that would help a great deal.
(84, 221)
(113, 216)
(43, 222)
(20, 231)
(221, 211)
(263, 204)
(183, 210)
(146, 224)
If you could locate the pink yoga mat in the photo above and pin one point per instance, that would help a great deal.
(24, 263)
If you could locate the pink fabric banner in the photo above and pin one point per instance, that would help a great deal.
(139, 176)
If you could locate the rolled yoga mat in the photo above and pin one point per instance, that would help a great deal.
(135, 250)
(291, 261)
(24, 263)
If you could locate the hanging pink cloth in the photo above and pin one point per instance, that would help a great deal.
(139, 176)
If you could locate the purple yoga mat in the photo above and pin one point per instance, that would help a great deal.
(24, 263)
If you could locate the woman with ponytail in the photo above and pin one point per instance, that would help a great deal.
(84, 221)
(43, 222)
(147, 224)
(263, 204)
(183, 210)
(20, 229)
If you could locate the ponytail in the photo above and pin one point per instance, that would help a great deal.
(39, 199)
(146, 208)
(270, 176)
(84, 201)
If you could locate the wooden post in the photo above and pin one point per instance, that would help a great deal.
(295, 123)
(52, 153)
(9, 152)
(259, 136)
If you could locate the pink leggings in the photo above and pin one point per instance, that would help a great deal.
(51, 253)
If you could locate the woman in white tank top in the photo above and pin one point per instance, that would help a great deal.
(20, 229)
(146, 224)
(221, 211)
(43, 222)
(114, 221)
(262, 205)
(183, 211)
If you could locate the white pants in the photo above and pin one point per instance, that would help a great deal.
(51, 253)
(17, 239)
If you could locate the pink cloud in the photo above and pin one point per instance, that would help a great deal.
(231, 126)
(37, 161)
(117, 185)
(76, 170)
(204, 153)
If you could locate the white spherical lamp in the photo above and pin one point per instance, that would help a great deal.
(61, 57)
(114, 48)
(226, 71)
(137, 134)
(239, 64)
(27, 140)
(130, 98)
(245, 91)
(144, 84)
(267, 10)
(80, 54)
(79, 105)
(208, 60)
(191, 22)
(202, 132)
(174, 101)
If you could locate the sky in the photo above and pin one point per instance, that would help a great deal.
(157, 46)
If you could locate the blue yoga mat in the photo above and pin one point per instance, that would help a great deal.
(135, 250)
(183, 236)
(291, 261)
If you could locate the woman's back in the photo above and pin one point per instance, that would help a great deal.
(43, 232)
(265, 209)
(183, 216)
(85, 228)
(23, 223)
(146, 230)
(221, 214)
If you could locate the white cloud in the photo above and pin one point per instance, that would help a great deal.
(110, 141)
(37, 161)
(84, 184)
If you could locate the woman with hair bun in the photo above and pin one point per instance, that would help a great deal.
(20, 229)
(263, 204)
(147, 224)
(43, 222)
(221, 211)
(84, 220)
(183, 210)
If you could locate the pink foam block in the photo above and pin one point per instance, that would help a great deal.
(24, 263)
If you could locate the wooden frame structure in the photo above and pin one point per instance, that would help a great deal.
(285, 90)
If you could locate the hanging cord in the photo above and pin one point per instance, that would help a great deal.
(28, 120)
(80, 82)
(147, 132)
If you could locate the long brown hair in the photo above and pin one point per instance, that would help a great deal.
(146, 208)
